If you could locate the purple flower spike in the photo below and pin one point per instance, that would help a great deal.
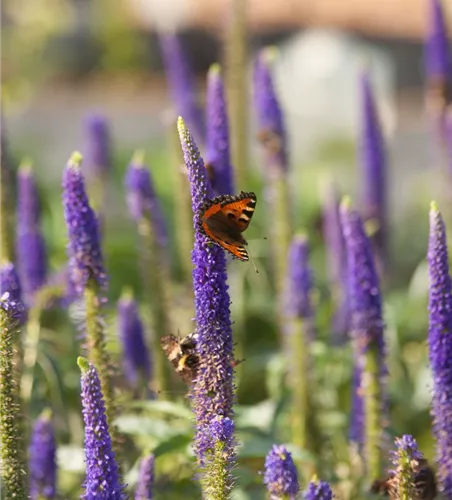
(42, 464)
(372, 158)
(440, 346)
(102, 472)
(213, 391)
(318, 490)
(182, 84)
(269, 114)
(438, 61)
(145, 486)
(10, 282)
(356, 431)
(31, 249)
(98, 148)
(280, 476)
(84, 250)
(141, 197)
(136, 355)
(300, 282)
(217, 135)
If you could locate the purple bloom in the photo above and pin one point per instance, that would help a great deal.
(84, 250)
(102, 472)
(300, 283)
(42, 462)
(10, 282)
(182, 84)
(372, 158)
(213, 391)
(220, 429)
(438, 61)
(318, 491)
(280, 473)
(337, 259)
(217, 135)
(98, 148)
(31, 249)
(136, 356)
(440, 346)
(356, 433)
(269, 114)
(145, 486)
(141, 197)
(366, 321)
(406, 447)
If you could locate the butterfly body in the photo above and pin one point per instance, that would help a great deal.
(224, 218)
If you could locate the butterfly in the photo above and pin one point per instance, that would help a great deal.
(224, 218)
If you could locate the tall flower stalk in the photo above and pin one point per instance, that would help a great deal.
(98, 160)
(12, 453)
(103, 480)
(372, 160)
(42, 461)
(300, 330)
(30, 247)
(281, 476)
(336, 261)
(145, 485)
(88, 274)
(217, 157)
(145, 209)
(440, 346)
(182, 84)
(367, 329)
(273, 138)
(213, 391)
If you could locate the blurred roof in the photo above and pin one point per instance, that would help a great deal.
(382, 18)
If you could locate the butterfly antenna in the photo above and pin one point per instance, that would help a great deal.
(252, 262)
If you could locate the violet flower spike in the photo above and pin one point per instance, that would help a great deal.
(440, 346)
(372, 158)
(135, 352)
(9, 282)
(280, 476)
(98, 146)
(145, 485)
(182, 84)
(141, 197)
(318, 490)
(42, 462)
(102, 472)
(217, 155)
(213, 391)
(84, 250)
(438, 60)
(269, 114)
(30, 246)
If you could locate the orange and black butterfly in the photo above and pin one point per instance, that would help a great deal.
(225, 218)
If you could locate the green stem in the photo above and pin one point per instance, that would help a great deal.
(7, 219)
(237, 87)
(373, 414)
(98, 356)
(216, 479)
(155, 269)
(13, 469)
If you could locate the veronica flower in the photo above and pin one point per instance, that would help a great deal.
(440, 346)
(336, 260)
(372, 158)
(42, 461)
(217, 135)
(367, 330)
(318, 490)
(12, 456)
(269, 114)
(31, 249)
(182, 84)
(145, 486)
(135, 352)
(213, 391)
(281, 476)
(98, 146)
(10, 282)
(438, 58)
(102, 472)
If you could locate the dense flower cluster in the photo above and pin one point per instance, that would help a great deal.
(280, 476)
(318, 490)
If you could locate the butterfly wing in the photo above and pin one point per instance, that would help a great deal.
(182, 355)
(224, 219)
